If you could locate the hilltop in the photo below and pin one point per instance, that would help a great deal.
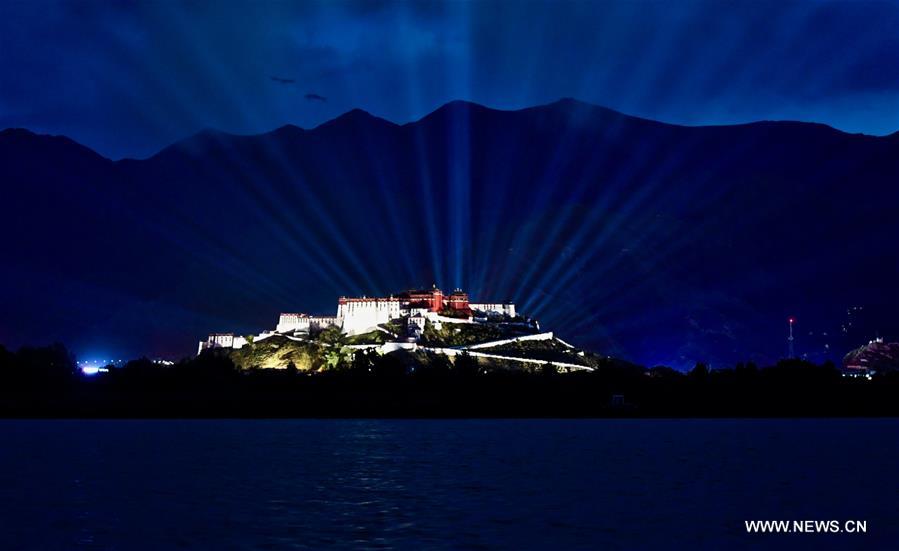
(416, 329)
(318, 355)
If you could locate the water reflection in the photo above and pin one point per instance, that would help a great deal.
(374, 484)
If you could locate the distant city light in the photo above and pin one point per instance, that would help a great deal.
(90, 370)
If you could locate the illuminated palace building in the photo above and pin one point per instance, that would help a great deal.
(363, 314)
(357, 315)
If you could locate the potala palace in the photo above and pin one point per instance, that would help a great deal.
(359, 315)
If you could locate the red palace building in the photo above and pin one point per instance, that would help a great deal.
(358, 314)
(434, 300)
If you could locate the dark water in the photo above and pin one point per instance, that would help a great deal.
(562, 484)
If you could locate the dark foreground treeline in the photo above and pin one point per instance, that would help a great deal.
(44, 382)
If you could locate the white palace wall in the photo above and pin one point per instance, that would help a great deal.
(363, 315)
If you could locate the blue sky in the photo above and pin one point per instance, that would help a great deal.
(127, 78)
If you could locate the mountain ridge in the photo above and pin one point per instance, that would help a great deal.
(654, 242)
(357, 114)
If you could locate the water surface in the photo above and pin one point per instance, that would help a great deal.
(440, 484)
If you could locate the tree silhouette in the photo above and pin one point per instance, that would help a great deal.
(549, 369)
(700, 371)
(466, 365)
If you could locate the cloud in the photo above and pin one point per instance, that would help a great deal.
(316, 97)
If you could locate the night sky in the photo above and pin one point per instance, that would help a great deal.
(657, 243)
(128, 78)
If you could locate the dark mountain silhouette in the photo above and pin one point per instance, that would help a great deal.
(654, 242)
